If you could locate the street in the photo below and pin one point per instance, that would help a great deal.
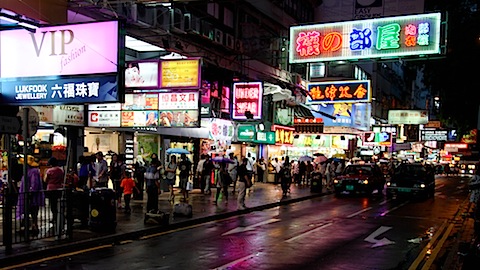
(324, 233)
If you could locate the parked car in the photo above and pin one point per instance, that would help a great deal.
(360, 178)
(412, 179)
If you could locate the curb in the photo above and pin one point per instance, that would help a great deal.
(62, 248)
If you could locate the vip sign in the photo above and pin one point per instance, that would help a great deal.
(283, 135)
(339, 91)
(247, 96)
(361, 39)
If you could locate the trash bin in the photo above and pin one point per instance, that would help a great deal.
(103, 213)
(316, 182)
(80, 205)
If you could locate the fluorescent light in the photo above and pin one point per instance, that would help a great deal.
(28, 25)
(140, 46)
(8, 19)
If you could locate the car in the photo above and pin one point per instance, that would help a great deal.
(360, 178)
(412, 179)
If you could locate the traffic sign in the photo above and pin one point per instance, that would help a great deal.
(33, 120)
(9, 125)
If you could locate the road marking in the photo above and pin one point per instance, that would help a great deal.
(382, 242)
(384, 202)
(393, 209)
(307, 233)
(57, 257)
(251, 227)
(359, 212)
(230, 264)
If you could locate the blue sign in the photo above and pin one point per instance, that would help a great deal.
(54, 90)
(353, 115)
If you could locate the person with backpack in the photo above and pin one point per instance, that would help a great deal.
(171, 175)
(117, 172)
(286, 176)
(185, 167)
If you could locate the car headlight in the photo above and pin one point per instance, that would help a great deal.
(389, 184)
(335, 181)
(365, 182)
(422, 185)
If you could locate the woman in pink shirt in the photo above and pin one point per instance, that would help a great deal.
(54, 177)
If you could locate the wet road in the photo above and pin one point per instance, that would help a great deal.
(325, 233)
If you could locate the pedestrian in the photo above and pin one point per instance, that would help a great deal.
(222, 183)
(54, 177)
(127, 185)
(85, 171)
(308, 173)
(243, 183)
(117, 172)
(296, 172)
(261, 167)
(286, 176)
(278, 166)
(171, 175)
(36, 197)
(232, 170)
(152, 177)
(185, 167)
(208, 168)
(250, 163)
(302, 168)
(199, 172)
(139, 176)
(101, 168)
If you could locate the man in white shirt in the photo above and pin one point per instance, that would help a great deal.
(200, 170)
(249, 166)
(278, 167)
(232, 171)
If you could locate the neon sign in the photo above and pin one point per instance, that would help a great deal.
(247, 96)
(339, 91)
(283, 135)
(373, 38)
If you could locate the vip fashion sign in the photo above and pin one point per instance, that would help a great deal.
(247, 96)
(360, 39)
(339, 91)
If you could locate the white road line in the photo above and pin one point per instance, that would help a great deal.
(228, 265)
(359, 212)
(384, 202)
(393, 209)
(307, 233)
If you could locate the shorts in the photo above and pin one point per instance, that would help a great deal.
(170, 182)
(183, 182)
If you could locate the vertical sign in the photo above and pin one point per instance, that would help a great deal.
(247, 96)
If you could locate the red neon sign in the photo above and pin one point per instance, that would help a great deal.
(247, 97)
(312, 44)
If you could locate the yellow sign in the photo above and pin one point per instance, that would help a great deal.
(180, 73)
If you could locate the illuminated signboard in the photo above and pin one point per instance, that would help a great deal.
(141, 74)
(433, 135)
(140, 102)
(339, 91)
(183, 73)
(455, 147)
(360, 39)
(104, 118)
(407, 117)
(377, 138)
(179, 101)
(384, 128)
(247, 96)
(283, 135)
(139, 118)
(352, 115)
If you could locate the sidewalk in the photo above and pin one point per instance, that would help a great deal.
(131, 226)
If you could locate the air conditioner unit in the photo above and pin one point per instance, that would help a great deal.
(239, 45)
(207, 30)
(218, 38)
(177, 22)
(192, 24)
(162, 23)
(230, 41)
(146, 15)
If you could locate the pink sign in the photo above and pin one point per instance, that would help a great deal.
(247, 96)
(75, 49)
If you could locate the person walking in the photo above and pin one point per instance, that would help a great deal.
(222, 183)
(261, 167)
(36, 197)
(171, 175)
(278, 166)
(208, 168)
(54, 177)
(101, 168)
(243, 183)
(85, 171)
(128, 184)
(232, 170)
(117, 172)
(250, 163)
(139, 176)
(185, 167)
(199, 172)
(286, 176)
(152, 177)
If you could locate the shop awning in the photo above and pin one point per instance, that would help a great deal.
(302, 111)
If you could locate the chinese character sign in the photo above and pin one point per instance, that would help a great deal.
(247, 97)
(360, 39)
(339, 91)
(178, 101)
(283, 135)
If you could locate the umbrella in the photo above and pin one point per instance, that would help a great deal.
(304, 158)
(319, 155)
(222, 160)
(177, 151)
(320, 159)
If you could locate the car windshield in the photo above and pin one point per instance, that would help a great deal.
(411, 170)
(358, 170)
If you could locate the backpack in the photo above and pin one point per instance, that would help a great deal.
(286, 172)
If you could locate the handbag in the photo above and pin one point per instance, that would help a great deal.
(189, 186)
